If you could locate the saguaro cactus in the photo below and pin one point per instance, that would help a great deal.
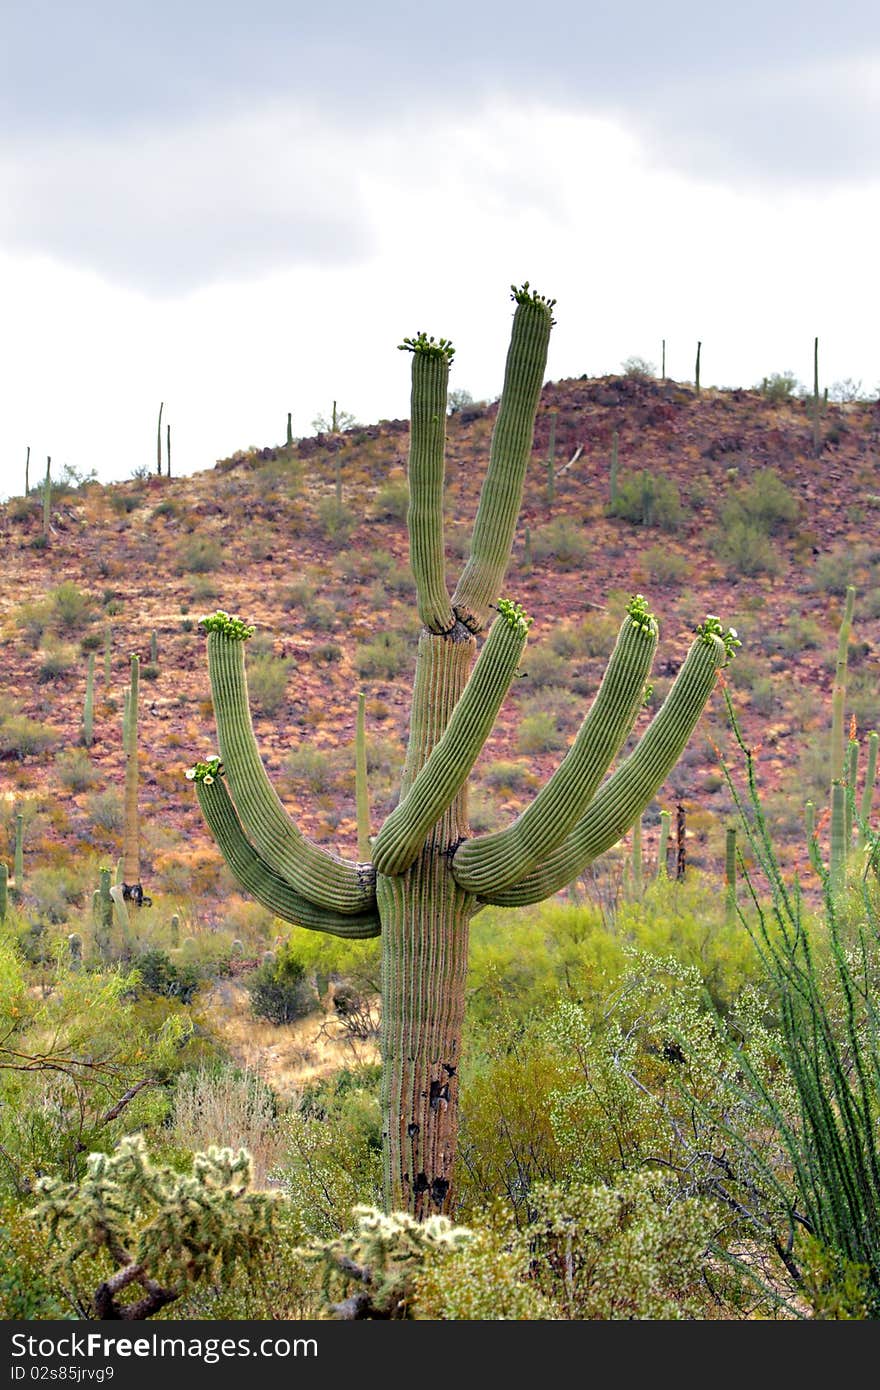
(429, 875)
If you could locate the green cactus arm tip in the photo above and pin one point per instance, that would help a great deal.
(628, 791)
(258, 879)
(424, 346)
(489, 863)
(234, 628)
(522, 294)
(712, 628)
(514, 615)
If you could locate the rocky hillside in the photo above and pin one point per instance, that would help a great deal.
(724, 504)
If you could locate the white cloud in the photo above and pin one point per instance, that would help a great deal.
(449, 216)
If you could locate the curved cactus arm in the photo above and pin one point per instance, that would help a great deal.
(493, 862)
(257, 878)
(626, 794)
(322, 878)
(482, 577)
(448, 765)
(427, 450)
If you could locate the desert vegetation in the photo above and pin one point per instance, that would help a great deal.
(650, 968)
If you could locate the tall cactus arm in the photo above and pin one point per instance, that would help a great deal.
(501, 495)
(448, 765)
(493, 862)
(626, 794)
(322, 878)
(258, 879)
(427, 449)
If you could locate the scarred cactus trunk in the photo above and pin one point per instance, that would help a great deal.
(429, 874)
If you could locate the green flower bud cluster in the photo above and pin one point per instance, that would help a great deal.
(523, 295)
(641, 615)
(514, 614)
(423, 344)
(221, 621)
(712, 628)
(205, 771)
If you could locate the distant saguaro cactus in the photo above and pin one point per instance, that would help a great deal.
(429, 874)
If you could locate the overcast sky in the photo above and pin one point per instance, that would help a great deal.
(242, 210)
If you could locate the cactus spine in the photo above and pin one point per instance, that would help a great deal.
(88, 724)
(429, 874)
(362, 795)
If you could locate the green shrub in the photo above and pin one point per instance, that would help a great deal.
(563, 542)
(745, 548)
(311, 766)
(766, 505)
(543, 666)
(160, 975)
(387, 655)
(70, 607)
(392, 500)
(279, 989)
(23, 737)
(106, 810)
(76, 772)
(55, 661)
(779, 386)
(267, 677)
(648, 499)
(665, 566)
(337, 520)
(507, 776)
(539, 733)
(198, 555)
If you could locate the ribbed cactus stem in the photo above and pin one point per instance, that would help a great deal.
(18, 855)
(446, 770)
(868, 789)
(852, 773)
(838, 697)
(663, 845)
(131, 859)
(730, 872)
(630, 789)
(501, 495)
(323, 878)
(361, 788)
(102, 904)
(615, 438)
(4, 890)
(289, 429)
(810, 820)
(492, 862)
(430, 381)
(837, 866)
(636, 858)
(88, 724)
(255, 876)
(551, 459)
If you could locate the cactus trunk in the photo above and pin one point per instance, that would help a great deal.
(425, 917)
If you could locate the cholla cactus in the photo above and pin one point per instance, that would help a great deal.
(429, 874)
(368, 1272)
(160, 1229)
